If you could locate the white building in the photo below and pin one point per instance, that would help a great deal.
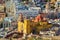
(10, 7)
(58, 0)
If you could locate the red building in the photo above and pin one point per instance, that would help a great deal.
(1, 1)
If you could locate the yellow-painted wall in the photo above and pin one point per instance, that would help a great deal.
(26, 28)
(20, 26)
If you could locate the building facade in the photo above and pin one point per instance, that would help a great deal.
(1, 1)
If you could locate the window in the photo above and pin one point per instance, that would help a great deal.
(58, 4)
